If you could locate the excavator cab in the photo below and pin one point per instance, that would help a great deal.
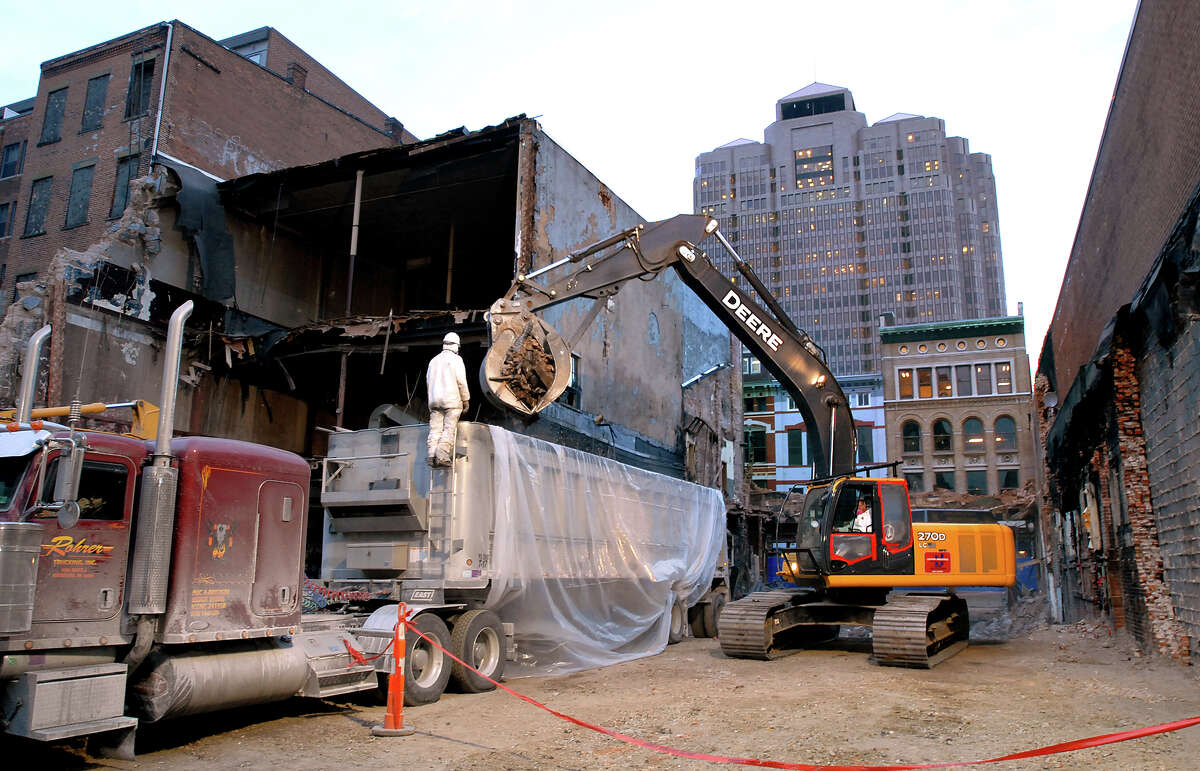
(852, 526)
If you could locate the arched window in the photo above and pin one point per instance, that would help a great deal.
(973, 435)
(943, 436)
(911, 433)
(1006, 434)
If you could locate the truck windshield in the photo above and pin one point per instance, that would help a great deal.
(809, 527)
(11, 471)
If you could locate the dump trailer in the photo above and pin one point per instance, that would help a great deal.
(148, 578)
(522, 553)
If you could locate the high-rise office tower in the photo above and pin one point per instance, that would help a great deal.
(845, 221)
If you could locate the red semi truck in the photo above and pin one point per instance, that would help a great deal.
(160, 572)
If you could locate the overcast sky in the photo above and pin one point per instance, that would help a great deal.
(635, 89)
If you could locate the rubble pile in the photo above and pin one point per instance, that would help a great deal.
(1007, 504)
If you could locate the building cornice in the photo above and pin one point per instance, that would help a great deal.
(908, 333)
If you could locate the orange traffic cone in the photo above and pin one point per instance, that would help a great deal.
(393, 719)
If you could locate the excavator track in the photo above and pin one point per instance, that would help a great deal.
(744, 629)
(920, 630)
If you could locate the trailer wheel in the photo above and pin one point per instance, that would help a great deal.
(678, 623)
(696, 619)
(712, 613)
(478, 639)
(426, 669)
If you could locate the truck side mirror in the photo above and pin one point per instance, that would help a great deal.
(70, 468)
(68, 515)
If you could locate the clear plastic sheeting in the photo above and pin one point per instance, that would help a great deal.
(589, 554)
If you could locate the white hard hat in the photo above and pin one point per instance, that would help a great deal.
(451, 338)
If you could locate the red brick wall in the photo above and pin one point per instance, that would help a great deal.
(231, 117)
(32, 254)
(12, 131)
(281, 53)
(1146, 168)
(1162, 630)
(223, 114)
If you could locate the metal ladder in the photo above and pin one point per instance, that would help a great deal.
(443, 499)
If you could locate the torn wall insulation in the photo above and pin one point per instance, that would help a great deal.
(202, 219)
(590, 554)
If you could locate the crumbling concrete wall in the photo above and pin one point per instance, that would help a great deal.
(101, 347)
(21, 319)
(631, 357)
(712, 428)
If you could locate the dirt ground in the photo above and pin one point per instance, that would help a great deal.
(823, 706)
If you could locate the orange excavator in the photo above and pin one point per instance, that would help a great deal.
(854, 543)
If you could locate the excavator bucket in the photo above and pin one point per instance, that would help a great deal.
(528, 365)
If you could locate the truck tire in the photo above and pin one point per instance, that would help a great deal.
(696, 619)
(712, 612)
(426, 669)
(678, 627)
(478, 639)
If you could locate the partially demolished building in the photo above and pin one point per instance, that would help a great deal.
(1117, 383)
(102, 115)
(327, 252)
(322, 291)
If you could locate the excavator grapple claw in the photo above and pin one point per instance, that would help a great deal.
(528, 365)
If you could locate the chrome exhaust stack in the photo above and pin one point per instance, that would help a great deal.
(33, 353)
(20, 542)
(170, 383)
(156, 512)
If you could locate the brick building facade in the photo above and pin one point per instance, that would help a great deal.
(959, 406)
(103, 115)
(1119, 374)
(14, 143)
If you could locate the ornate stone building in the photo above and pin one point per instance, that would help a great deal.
(958, 404)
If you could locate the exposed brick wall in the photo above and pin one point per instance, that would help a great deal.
(1162, 631)
(222, 113)
(1134, 421)
(1110, 564)
(56, 159)
(282, 53)
(12, 131)
(1170, 378)
(234, 118)
(1131, 205)
(1134, 600)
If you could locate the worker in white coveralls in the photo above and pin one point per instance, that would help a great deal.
(446, 384)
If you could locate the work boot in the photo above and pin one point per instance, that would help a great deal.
(431, 461)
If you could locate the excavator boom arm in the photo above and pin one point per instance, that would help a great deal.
(528, 364)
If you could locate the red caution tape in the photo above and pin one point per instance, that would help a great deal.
(1054, 749)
